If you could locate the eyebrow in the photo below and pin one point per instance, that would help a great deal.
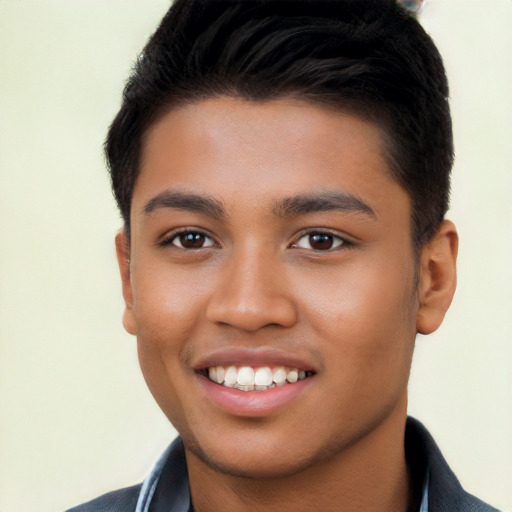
(321, 202)
(287, 207)
(186, 201)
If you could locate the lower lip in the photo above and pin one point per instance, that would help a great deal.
(253, 403)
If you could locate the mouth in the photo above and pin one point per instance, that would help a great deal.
(254, 378)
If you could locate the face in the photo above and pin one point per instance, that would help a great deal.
(270, 251)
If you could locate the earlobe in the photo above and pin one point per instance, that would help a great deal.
(123, 260)
(438, 278)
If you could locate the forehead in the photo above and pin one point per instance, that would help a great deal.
(263, 151)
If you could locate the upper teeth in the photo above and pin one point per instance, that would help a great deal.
(247, 378)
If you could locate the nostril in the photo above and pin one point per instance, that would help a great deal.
(253, 313)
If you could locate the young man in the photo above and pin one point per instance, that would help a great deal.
(282, 168)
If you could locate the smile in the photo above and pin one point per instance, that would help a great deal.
(248, 378)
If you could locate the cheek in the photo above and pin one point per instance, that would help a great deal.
(163, 379)
(168, 306)
(167, 309)
(364, 315)
(168, 303)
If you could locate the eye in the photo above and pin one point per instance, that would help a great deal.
(320, 242)
(189, 240)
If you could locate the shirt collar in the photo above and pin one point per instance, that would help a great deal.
(424, 499)
(173, 461)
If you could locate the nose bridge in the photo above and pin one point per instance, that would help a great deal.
(252, 291)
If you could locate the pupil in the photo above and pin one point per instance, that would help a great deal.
(192, 240)
(321, 242)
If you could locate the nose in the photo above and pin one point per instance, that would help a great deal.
(252, 292)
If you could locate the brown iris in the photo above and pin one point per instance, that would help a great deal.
(192, 240)
(321, 241)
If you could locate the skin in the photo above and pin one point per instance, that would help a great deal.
(258, 281)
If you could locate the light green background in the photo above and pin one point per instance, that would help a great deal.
(76, 418)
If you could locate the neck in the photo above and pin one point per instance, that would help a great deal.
(369, 476)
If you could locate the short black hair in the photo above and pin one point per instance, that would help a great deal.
(366, 57)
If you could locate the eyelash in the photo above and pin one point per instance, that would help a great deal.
(337, 241)
(175, 235)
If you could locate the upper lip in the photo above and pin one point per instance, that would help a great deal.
(256, 357)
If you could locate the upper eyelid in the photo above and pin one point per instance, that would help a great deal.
(170, 235)
(167, 238)
(324, 231)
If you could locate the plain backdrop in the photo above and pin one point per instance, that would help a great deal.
(76, 418)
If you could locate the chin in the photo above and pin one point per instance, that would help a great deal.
(261, 459)
(250, 465)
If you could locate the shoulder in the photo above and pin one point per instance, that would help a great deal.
(445, 491)
(123, 500)
(167, 482)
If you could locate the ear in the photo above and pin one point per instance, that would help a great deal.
(123, 260)
(438, 278)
